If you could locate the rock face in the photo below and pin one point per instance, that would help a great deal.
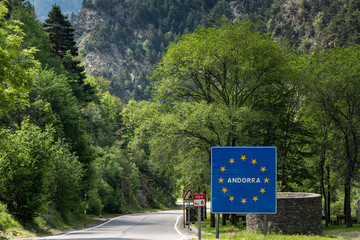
(85, 23)
(135, 24)
(297, 213)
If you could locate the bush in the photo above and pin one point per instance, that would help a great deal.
(6, 220)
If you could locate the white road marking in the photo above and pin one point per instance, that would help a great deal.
(177, 230)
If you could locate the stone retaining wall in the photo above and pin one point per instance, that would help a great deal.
(297, 213)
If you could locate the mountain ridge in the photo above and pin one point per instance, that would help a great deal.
(122, 40)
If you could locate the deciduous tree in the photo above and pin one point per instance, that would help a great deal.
(17, 65)
(335, 88)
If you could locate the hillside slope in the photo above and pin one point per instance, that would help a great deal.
(123, 39)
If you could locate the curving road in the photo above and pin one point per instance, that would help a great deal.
(163, 225)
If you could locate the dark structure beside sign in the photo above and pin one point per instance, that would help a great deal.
(297, 213)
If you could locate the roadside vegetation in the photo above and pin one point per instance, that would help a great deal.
(239, 233)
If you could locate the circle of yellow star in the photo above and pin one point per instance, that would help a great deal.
(243, 200)
(266, 180)
(255, 198)
(231, 198)
(222, 169)
(224, 190)
(243, 157)
(253, 161)
(263, 169)
(221, 180)
(262, 190)
(231, 160)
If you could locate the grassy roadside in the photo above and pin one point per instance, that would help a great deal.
(57, 225)
(239, 233)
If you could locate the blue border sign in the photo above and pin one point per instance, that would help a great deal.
(243, 180)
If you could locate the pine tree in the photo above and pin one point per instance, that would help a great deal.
(61, 33)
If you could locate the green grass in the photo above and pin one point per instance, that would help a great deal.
(239, 233)
(42, 228)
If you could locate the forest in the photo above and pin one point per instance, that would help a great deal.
(227, 83)
(62, 132)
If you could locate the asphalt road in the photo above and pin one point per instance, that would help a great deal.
(163, 225)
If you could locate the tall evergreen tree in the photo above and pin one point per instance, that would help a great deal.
(64, 46)
(61, 33)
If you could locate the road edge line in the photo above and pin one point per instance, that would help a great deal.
(177, 230)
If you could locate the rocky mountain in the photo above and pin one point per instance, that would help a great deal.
(123, 39)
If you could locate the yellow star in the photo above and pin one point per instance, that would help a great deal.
(231, 160)
(262, 190)
(243, 157)
(263, 169)
(254, 161)
(222, 169)
(243, 200)
(231, 198)
(221, 180)
(266, 180)
(224, 190)
(255, 199)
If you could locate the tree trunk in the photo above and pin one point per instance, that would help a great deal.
(224, 218)
(322, 184)
(212, 220)
(351, 149)
(347, 201)
(283, 177)
(328, 194)
(233, 220)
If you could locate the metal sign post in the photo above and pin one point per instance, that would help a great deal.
(189, 216)
(188, 196)
(199, 202)
(199, 222)
(85, 211)
(265, 225)
(217, 226)
(184, 220)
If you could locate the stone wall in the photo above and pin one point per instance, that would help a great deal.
(297, 213)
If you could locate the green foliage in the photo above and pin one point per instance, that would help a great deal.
(36, 169)
(64, 47)
(224, 64)
(61, 33)
(55, 90)
(65, 178)
(222, 85)
(226, 85)
(24, 166)
(17, 65)
(333, 79)
(6, 220)
(115, 182)
(72, 137)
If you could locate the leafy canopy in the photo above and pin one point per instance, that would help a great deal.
(17, 65)
(225, 63)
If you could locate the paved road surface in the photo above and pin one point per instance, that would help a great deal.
(145, 226)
